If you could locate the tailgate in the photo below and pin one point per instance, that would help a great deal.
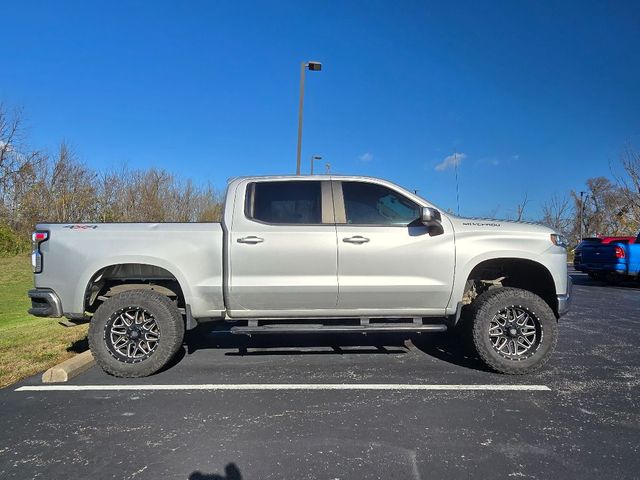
(595, 254)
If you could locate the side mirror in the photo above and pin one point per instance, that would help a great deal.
(430, 217)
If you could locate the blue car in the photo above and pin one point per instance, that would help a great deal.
(613, 262)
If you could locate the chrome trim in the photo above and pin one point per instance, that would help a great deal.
(52, 306)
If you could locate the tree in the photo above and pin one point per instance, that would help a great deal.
(557, 214)
(629, 182)
(18, 165)
(520, 208)
(36, 188)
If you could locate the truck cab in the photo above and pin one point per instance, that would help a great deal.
(335, 247)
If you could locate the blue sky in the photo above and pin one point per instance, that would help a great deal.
(534, 97)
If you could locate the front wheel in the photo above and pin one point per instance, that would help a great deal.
(135, 333)
(514, 330)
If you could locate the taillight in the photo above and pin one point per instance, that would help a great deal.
(37, 238)
(620, 252)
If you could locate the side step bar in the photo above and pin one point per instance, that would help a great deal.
(319, 328)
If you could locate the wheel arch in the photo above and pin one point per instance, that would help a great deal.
(126, 274)
(524, 273)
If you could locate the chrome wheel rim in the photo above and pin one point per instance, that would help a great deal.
(132, 335)
(515, 333)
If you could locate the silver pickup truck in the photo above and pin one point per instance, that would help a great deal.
(306, 254)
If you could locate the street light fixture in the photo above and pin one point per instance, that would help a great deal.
(314, 158)
(314, 67)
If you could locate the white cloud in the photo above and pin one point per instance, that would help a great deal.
(366, 157)
(451, 161)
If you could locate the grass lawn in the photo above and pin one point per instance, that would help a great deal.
(28, 344)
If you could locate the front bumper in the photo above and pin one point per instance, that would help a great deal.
(564, 301)
(45, 303)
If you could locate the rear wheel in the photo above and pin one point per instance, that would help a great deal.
(135, 333)
(514, 330)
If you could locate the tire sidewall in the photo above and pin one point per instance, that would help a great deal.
(496, 300)
(167, 317)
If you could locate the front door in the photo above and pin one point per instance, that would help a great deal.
(387, 261)
(282, 247)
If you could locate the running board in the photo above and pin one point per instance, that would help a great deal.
(319, 328)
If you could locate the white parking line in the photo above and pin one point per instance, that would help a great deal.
(280, 386)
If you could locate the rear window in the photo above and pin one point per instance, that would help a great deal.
(588, 242)
(289, 202)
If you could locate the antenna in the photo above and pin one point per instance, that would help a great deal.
(455, 164)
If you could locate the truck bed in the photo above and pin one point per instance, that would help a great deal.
(191, 252)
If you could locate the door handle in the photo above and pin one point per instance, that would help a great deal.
(252, 239)
(358, 239)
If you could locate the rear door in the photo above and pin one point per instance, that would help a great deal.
(388, 262)
(282, 249)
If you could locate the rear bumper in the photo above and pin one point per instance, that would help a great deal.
(564, 301)
(44, 303)
(620, 268)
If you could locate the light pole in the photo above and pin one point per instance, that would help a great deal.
(313, 158)
(582, 194)
(314, 67)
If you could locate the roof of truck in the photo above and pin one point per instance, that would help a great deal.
(307, 177)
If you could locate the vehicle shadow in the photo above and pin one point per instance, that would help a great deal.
(584, 280)
(231, 472)
(205, 337)
(451, 347)
(79, 346)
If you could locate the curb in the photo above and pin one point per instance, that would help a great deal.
(69, 368)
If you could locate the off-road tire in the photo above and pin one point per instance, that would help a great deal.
(487, 306)
(169, 323)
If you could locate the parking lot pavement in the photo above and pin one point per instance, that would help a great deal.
(587, 425)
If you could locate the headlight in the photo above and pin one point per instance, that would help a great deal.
(559, 240)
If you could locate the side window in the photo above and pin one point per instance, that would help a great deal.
(370, 204)
(285, 202)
